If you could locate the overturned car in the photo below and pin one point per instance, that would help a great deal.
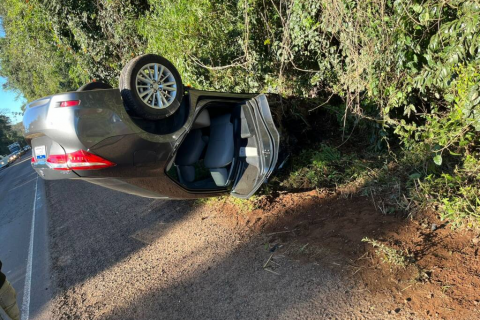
(154, 138)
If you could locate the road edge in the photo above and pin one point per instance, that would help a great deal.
(42, 290)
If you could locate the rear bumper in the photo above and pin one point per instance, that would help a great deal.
(61, 130)
(41, 166)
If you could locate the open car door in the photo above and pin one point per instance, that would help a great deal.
(259, 147)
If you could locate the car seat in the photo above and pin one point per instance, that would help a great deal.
(220, 149)
(191, 149)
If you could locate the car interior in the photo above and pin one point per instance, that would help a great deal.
(207, 156)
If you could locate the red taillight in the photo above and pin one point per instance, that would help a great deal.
(57, 162)
(70, 103)
(33, 159)
(78, 160)
(83, 160)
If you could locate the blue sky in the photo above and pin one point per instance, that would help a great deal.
(9, 100)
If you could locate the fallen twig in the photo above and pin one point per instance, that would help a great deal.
(278, 232)
(406, 288)
(362, 256)
(272, 271)
(303, 248)
(266, 263)
(358, 269)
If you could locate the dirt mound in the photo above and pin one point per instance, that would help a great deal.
(422, 264)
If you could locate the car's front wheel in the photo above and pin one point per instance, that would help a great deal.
(151, 87)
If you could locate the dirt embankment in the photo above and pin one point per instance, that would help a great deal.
(440, 277)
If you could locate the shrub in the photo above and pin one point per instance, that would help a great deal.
(406, 72)
(389, 255)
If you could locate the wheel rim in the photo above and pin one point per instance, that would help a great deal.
(156, 86)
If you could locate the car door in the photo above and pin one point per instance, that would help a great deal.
(257, 153)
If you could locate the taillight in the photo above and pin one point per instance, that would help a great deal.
(33, 159)
(57, 162)
(78, 160)
(70, 103)
(83, 160)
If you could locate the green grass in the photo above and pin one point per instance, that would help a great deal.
(325, 166)
(455, 194)
(243, 205)
(389, 255)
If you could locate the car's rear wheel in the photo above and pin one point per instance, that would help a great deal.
(151, 87)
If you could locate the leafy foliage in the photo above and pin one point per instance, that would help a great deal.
(8, 135)
(323, 166)
(406, 72)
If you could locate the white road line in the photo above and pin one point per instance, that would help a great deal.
(28, 274)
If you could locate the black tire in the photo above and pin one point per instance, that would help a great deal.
(94, 86)
(131, 87)
(121, 79)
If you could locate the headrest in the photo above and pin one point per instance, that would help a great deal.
(202, 120)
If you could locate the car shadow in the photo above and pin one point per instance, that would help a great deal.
(91, 228)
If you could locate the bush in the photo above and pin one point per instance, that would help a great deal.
(407, 71)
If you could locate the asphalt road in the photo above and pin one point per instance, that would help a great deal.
(23, 237)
